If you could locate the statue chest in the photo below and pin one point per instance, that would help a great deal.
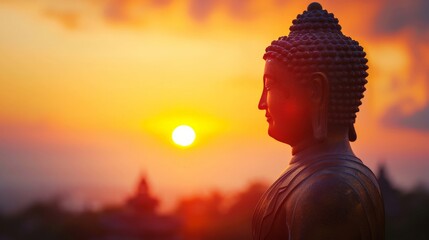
(270, 220)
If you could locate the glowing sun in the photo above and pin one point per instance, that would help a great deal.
(183, 135)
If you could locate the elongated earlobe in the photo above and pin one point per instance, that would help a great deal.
(320, 108)
(352, 133)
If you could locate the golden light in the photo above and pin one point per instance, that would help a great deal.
(183, 135)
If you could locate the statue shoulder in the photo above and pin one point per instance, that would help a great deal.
(327, 188)
(327, 206)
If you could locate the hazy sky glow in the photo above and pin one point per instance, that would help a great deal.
(91, 91)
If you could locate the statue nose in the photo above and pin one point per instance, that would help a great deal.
(262, 105)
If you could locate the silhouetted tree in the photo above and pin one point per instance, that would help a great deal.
(47, 220)
(207, 217)
(407, 213)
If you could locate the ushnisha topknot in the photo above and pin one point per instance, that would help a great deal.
(316, 44)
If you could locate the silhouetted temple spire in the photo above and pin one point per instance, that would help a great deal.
(390, 194)
(142, 200)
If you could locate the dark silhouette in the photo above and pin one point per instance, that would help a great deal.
(138, 218)
(213, 217)
(314, 81)
(200, 217)
(407, 213)
(47, 220)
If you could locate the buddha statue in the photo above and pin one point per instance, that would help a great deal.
(314, 81)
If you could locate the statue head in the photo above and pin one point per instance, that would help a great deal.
(314, 80)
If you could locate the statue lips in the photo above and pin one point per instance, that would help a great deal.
(268, 118)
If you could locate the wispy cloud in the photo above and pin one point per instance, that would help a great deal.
(397, 15)
(418, 120)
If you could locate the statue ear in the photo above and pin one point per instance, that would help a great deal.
(319, 95)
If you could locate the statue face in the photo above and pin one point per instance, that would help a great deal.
(286, 105)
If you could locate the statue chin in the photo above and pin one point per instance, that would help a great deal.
(292, 135)
(279, 136)
(282, 137)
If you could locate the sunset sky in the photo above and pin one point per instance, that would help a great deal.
(90, 91)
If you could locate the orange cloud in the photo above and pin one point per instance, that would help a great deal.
(69, 20)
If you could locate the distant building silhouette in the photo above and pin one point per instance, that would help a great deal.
(407, 212)
(138, 218)
(142, 201)
(391, 196)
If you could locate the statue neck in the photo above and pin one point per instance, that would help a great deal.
(336, 142)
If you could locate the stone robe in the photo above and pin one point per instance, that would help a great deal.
(326, 193)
